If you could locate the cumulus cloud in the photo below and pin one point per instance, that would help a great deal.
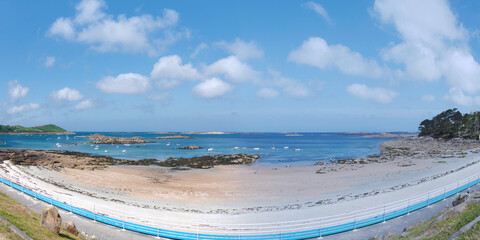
(316, 52)
(199, 48)
(66, 94)
(16, 91)
(233, 69)
(127, 83)
(84, 104)
(89, 11)
(211, 88)
(457, 96)
(316, 7)
(242, 50)
(428, 98)
(62, 27)
(91, 25)
(49, 61)
(170, 68)
(23, 108)
(380, 95)
(433, 46)
(267, 93)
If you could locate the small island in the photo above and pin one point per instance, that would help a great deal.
(190, 147)
(102, 139)
(173, 137)
(49, 129)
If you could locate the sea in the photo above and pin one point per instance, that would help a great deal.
(275, 149)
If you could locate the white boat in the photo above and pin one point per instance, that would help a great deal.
(124, 150)
(256, 148)
(168, 144)
(273, 148)
(96, 148)
(106, 151)
(244, 147)
(126, 144)
(285, 147)
(297, 149)
(236, 148)
(91, 145)
(117, 146)
(210, 149)
(59, 145)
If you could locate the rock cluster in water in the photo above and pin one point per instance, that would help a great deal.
(174, 137)
(190, 147)
(102, 139)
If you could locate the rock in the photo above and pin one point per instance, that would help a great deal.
(85, 236)
(174, 137)
(51, 219)
(70, 227)
(102, 139)
(460, 199)
(191, 147)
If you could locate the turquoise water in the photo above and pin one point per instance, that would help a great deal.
(310, 147)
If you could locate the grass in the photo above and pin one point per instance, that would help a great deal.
(7, 233)
(444, 225)
(28, 221)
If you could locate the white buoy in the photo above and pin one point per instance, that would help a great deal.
(285, 147)
(210, 149)
(256, 148)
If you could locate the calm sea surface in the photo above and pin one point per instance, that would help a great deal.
(276, 149)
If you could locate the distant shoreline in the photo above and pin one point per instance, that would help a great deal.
(37, 133)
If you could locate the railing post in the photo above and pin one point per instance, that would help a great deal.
(383, 213)
(197, 232)
(408, 207)
(355, 221)
(35, 195)
(428, 199)
(320, 228)
(70, 205)
(94, 214)
(457, 188)
(443, 192)
(123, 224)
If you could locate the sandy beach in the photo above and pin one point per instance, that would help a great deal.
(245, 194)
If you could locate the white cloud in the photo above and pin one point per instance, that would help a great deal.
(170, 67)
(233, 69)
(457, 96)
(127, 83)
(89, 11)
(23, 108)
(316, 52)
(16, 90)
(316, 7)
(49, 61)
(62, 27)
(242, 50)
(66, 94)
(428, 98)
(84, 104)
(380, 95)
(267, 93)
(199, 48)
(434, 44)
(108, 33)
(212, 88)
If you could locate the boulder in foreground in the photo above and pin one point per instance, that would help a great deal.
(51, 219)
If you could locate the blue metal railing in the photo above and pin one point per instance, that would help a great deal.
(335, 226)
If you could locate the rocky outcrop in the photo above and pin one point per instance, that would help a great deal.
(209, 161)
(174, 137)
(51, 219)
(191, 147)
(70, 227)
(102, 139)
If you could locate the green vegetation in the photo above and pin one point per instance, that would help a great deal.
(444, 225)
(28, 221)
(451, 124)
(7, 233)
(38, 129)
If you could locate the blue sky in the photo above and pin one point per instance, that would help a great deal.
(380, 65)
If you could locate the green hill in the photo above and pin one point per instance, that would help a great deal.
(39, 129)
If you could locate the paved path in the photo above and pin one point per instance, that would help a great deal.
(103, 231)
(99, 230)
(15, 229)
